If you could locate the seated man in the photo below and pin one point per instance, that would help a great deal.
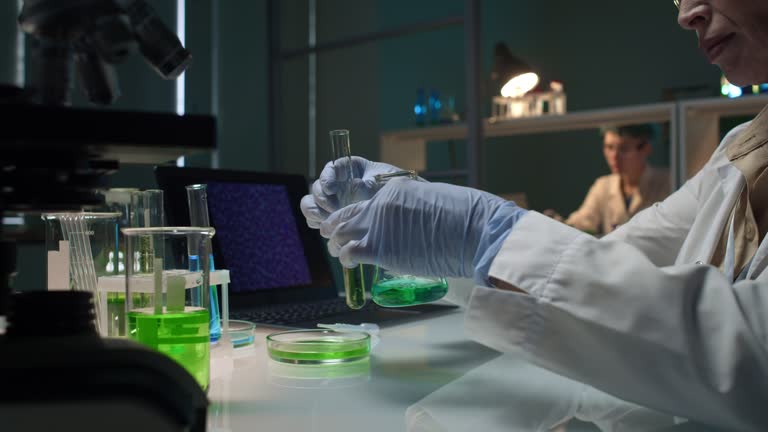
(632, 185)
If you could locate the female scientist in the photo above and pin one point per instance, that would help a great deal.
(669, 311)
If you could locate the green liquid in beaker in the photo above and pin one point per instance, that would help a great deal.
(185, 337)
(408, 291)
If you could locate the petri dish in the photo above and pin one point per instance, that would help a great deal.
(241, 333)
(319, 346)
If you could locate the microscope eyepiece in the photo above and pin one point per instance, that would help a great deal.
(159, 45)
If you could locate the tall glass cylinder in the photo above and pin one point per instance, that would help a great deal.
(146, 211)
(354, 279)
(197, 198)
(118, 200)
(147, 208)
(167, 303)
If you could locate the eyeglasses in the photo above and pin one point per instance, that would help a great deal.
(624, 150)
(677, 3)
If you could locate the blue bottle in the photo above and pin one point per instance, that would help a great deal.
(420, 108)
(435, 106)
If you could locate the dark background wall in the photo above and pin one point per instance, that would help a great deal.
(605, 55)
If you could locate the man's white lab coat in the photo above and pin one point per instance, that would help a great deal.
(639, 313)
(605, 208)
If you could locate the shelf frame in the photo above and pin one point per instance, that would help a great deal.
(407, 148)
(699, 128)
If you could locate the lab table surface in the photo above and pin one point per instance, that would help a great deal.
(422, 376)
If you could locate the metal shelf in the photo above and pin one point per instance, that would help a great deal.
(748, 105)
(693, 127)
(661, 112)
(407, 148)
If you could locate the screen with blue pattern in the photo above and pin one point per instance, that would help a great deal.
(257, 233)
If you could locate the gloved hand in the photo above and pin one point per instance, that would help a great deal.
(324, 197)
(419, 228)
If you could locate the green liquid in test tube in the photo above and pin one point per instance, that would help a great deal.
(354, 282)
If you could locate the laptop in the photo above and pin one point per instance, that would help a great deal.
(280, 273)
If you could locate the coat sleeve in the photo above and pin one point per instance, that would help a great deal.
(589, 216)
(678, 339)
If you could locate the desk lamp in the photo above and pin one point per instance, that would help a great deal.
(515, 77)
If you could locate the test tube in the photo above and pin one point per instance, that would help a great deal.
(197, 198)
(146, 211)
(354, 282)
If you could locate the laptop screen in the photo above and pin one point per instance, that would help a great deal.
(258, 235)
(261, 236)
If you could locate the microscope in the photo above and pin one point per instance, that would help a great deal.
(57, 372)
(91, 37)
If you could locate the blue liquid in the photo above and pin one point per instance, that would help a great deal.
(215, 323)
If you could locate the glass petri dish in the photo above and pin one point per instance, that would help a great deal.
(241, 333)
(319, 346)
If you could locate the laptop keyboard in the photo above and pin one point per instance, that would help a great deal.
(295, 313)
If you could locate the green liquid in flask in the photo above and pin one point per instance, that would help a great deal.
(408, 291)
(183, 336)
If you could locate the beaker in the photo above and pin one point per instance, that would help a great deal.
(354, 279)
(167, 302)
(390, 289)
(197, 198)
(80, 248)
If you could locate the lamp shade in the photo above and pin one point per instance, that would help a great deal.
(511, 75)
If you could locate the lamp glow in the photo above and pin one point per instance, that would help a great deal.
(520, 85)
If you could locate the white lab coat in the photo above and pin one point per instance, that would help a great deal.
(604, 207)
(637, 314)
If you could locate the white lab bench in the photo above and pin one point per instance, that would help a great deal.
(423, 376)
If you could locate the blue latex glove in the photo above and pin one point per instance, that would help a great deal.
(324, 195)
(418, 228)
